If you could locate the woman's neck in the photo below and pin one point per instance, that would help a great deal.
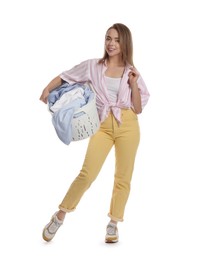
(114, 70)
(115, 63)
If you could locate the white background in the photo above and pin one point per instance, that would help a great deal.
(40, 39)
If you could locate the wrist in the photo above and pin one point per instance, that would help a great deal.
(134, 85)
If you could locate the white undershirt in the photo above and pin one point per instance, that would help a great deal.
(112, 85)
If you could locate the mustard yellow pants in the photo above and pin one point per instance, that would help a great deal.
(125, 139)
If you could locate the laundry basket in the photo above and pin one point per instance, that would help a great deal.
(87, 123)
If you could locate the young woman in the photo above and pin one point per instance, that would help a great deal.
(121, 94)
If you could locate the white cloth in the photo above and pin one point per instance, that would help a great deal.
(68, 97)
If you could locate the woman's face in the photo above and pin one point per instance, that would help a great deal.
(112, 45)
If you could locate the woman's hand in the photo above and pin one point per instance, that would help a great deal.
(44, 95)
(133, 76)
(56, 82)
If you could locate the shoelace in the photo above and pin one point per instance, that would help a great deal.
(54, 226)
(111, 230)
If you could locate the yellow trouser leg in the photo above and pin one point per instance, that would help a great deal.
(99, 146)
(127, 138)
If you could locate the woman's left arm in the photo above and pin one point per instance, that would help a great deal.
(135, 92)
(136, 98)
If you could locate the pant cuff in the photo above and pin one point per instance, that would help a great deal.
(66, 210)
(115, 218)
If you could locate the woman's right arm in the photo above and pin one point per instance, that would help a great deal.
(56, 82)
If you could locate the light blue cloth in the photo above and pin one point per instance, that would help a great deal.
(62, 118)
(58, 92)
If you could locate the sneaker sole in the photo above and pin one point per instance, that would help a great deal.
(111, 240)
(45, 238)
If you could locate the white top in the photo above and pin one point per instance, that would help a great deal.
(112, 85)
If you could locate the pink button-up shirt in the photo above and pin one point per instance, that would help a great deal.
(93, 72)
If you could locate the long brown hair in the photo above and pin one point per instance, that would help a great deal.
(125, 41)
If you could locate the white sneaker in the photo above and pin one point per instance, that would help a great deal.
(51, 228)
(112, 235)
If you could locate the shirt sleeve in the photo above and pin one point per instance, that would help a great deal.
(143, 91)
(79, 73)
